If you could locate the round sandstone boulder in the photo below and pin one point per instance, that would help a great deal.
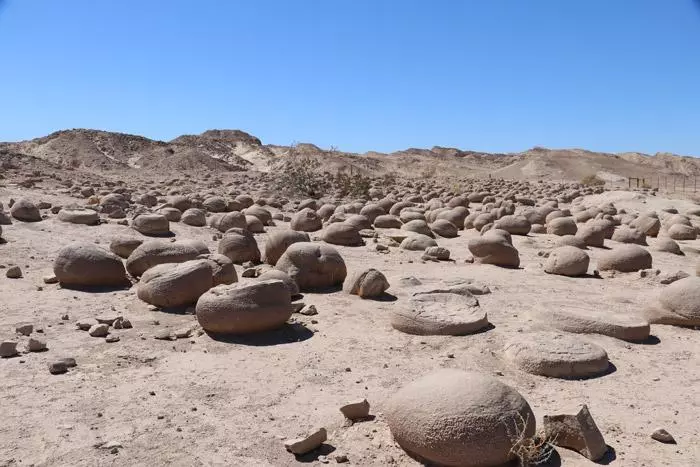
(244, 308)
(456, 418)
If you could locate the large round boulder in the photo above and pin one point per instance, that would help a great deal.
(342, 233)
(278, 242)
(667, 245)
(515, 225)
(313, 266)
(172, 214)
(567, 261)
(306, 220)
(456, 418)
(154, 252)
(244, 308)
(239, 245)
(678, 304)
(195, 217)
(417, 242)
(494, 248)
(444, 228)
(87, 265)
(229, 220)
(175, 284)
(562, 226)
(387, 221)
(682, 232)
(368, 283)
(151, 224)
(625, 258)
(625, 234)
(25, 211)
(124, 246)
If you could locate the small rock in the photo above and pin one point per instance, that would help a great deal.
(356, 410)
(25, 329)
(108, 320)
(8, 349)
(578, 432)
(14, 272)
(297, 307)
(250, 272)
(68, 361)
(58, 367)
(112, 339)
(309, 311)
(50, 279)
(183, 333)
(302, 446)
(65, 317)
(164, 335)
(341, 458)
(126, 324)
(663, 436)
(36, 345)
(99, 330)
(110, 445)
(86, 324)
(380, 247)
(671, 277)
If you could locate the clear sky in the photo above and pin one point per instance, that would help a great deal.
(492, 75)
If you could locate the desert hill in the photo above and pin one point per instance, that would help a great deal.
(235, 150)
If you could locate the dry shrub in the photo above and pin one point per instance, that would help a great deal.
(530, 450)
(592, 180)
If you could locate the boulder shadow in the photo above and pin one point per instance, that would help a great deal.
(385, 297)
(287, 334)
(97, 288)
(3, 241)
(313, 456)
(651, 340)
(169, 234)
(609, 457)
(325, 290)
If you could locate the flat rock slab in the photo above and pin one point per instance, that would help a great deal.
(440, 314)
(580, 320)
(556, 355)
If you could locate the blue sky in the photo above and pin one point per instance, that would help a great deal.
(496, 75)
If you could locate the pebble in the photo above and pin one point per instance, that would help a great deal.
(50, 279)
(25, 329)
(13, 272)
(309, 311)
(36, 345)
(356, 410)
(163, 335)
(58, 367)
(112, 339)
(302, 446)
(8, 349)
(86, 324)
(663, 436)
(99, 330)
(341, 458)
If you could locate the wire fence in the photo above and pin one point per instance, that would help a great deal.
(672, 184)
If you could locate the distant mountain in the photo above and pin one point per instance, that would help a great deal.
(235, 150)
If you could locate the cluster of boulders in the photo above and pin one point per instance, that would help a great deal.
(447, 418)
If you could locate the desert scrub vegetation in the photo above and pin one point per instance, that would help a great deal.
(529, 450)
(303, 174)
(592, 180)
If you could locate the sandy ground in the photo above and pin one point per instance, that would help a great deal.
(198, 401)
